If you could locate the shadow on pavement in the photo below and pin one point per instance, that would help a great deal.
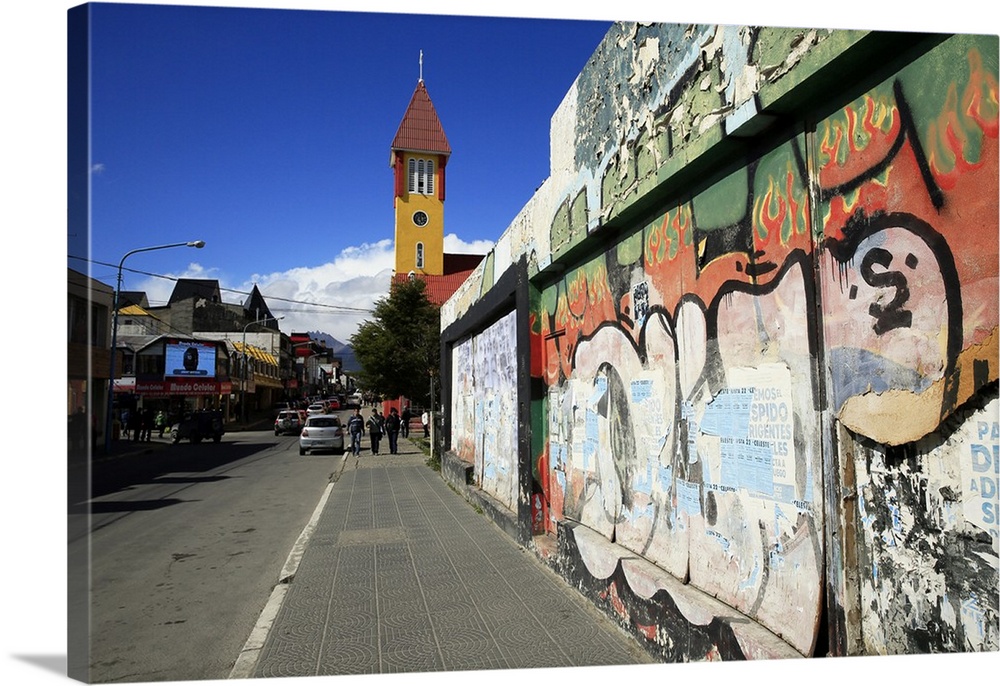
(154, 463)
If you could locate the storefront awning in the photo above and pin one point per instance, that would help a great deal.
(126, 384)
(183, 387)
(257, 353)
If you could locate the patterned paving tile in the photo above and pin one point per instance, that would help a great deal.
(402, 575)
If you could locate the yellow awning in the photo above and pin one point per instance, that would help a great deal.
(257, 353)
(133, 311)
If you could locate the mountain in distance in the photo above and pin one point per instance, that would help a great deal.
(342, 350)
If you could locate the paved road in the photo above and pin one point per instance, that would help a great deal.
(187, 541)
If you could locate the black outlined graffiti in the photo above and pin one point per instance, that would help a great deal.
(891, 315)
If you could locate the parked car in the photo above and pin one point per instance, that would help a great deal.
(287, 422)
(199, 425)
(316, 408)
(355, 399)
(322, 432)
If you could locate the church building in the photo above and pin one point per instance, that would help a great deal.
(419, 158)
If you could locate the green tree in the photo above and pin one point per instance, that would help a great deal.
(398, 350)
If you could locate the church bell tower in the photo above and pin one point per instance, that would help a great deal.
(418, 158)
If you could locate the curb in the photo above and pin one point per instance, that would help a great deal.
(246, 661)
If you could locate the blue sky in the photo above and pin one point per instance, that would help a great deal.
(266, 133)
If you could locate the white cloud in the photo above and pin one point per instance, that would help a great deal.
(158, 290)
(354, 280)
(309, 298)
(454, 244)
(324, 297)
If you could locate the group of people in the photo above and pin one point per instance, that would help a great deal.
(378, 425)
(138, 425)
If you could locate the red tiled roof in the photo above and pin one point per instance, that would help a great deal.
(439, 288)
(421, 129)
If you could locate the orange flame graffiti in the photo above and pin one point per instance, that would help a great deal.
(958, 131)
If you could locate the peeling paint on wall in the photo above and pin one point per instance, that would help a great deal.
(840, 280)
(930, 535)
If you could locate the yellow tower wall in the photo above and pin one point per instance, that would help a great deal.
(408, 234)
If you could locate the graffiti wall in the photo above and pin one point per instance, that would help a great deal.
(483, 405)
(793, 346)
(683, 422)
(907, 179)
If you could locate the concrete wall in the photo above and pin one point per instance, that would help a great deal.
(761, 291)
(482, 433)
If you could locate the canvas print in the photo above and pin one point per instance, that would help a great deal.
(699, 365)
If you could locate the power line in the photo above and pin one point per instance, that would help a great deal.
(338, 308)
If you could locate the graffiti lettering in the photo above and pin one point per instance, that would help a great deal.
(890, 316)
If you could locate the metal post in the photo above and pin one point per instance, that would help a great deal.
(243, 385)
(114, 332)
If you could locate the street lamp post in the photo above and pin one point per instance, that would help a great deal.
(243, 384)
(114, 331)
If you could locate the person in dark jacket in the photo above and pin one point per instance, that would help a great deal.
(146, 429)
(392, 423)
(356, 428)
(134, 424)
(375, 425)
(404, 418)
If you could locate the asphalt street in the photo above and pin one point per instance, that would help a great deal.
(186, 543)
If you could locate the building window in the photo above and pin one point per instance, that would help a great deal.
(421, 176)
(77, 320)
(420, 255)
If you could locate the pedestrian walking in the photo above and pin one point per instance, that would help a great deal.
(125, 423)
(404, 418)
(134, 424)
(161, 421)
(78, 430)
(425, 419)
(375, 430)
(356, 427)
(392, 423)
(147, 424)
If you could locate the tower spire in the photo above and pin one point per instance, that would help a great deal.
(421, 66)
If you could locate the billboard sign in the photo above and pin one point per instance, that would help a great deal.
(190, 359)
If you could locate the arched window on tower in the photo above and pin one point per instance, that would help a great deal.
(420, 255)
(421, 176)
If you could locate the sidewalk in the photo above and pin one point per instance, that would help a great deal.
(400, 574)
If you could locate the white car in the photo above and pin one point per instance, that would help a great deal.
(322, 432)
(287, 422)
(316, 408)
